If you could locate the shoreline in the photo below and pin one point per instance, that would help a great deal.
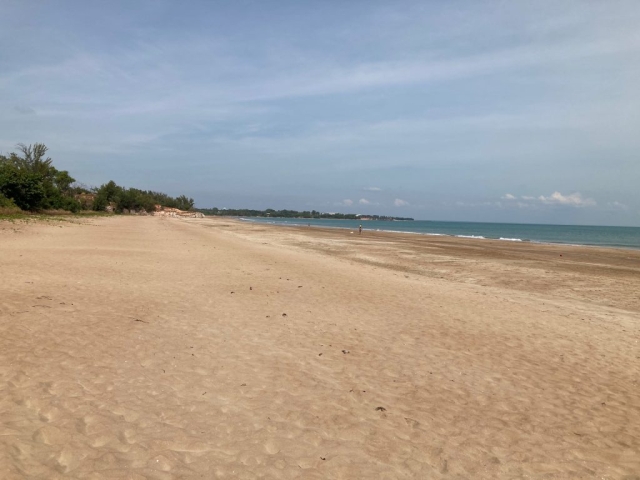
(488, 263)
(434, 234)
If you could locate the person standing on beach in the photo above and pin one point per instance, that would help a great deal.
(360, 230)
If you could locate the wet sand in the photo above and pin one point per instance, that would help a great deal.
(144, 347)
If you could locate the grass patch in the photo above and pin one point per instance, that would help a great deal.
(10, 211)
(67, 213)
(13, 214)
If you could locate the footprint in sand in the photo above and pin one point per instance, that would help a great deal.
(127, 436)
(49, 435)
(271, 447)
(67, 460)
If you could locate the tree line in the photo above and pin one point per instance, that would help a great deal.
(270, 212)
(30, 182)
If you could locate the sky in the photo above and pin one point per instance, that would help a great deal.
(459, 110)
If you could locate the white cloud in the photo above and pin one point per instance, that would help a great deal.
(556, 198)
(572, 200)
(364, 201)
(535, 203)
(372, 189)
(347, 202)
(400, 203)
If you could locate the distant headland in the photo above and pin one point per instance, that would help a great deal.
(269, 212)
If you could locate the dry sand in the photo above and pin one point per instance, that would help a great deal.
(168, 348)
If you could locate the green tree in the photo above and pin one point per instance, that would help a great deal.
(63, 181)
(24, 188)
(184, 203)
(33, 157)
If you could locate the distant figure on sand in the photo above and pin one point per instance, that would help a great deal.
(360, 230)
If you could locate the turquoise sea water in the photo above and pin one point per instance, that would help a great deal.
(620, 237)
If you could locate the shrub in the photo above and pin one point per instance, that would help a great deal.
(24, 188)
(8, 206)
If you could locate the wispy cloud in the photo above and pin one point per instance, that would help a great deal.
(364, 201)
(372, 189)
(24, 110)
(324, 78)
(347, 202)
(618, 205)
(398, 202)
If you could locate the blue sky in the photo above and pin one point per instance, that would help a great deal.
(486, 111)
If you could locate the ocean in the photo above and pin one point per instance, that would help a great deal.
(618, 237)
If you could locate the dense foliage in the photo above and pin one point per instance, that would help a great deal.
(121, 198)
(29, 180)
(269, 212)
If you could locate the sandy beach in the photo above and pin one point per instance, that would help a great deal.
(163, 348)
